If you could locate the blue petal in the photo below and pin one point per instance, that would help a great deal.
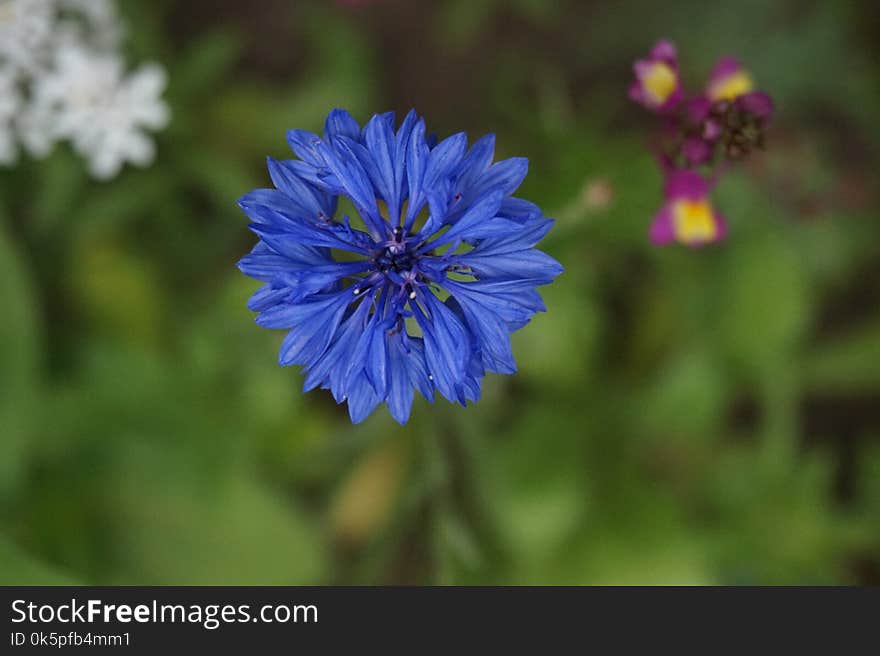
(289, 239)
(519, 210)
(529, 263)
(362, 399)
(371, 355)
(266, 297)
(401, 146)
(522, 237)
(477, 160)
(400, 389)
(475, 369)
(317, 176)
(438, 202)
(304, 145)
(505, 176)
(380, 142)
(417, 366)
(491, 335)
(331, 370)
(437, 180)
(286, 179)
(307, 281)
(294, 314)
(355, 181)
(308, 340)
(472, 380)
(447, 346)
(514, 301)
(267, 266)
(473, 221)
(282, 225)
(444, 159)
(341, 124)
(417, 153)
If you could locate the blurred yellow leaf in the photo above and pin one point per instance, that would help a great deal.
(366, 496)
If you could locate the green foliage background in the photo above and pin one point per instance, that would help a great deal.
(685, 417)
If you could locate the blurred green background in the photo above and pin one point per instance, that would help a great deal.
(680, 416)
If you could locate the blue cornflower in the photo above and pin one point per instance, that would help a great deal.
(425, 295)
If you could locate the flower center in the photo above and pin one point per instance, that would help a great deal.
(694, 221)
(731, 87)
(660, 82)
(395, 258)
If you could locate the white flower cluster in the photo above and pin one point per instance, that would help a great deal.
(63, 78)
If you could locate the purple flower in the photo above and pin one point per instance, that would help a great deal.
(756, 104)
(705, 132)
(697, 150)
(657, 85)
(728, 81)
(729, 113)
(687, 216)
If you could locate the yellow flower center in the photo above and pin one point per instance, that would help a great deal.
(694, 221)
(732, 86)
(660, 82)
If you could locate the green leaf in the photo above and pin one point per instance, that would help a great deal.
(687, 400)
(62, 180)
(20, 345)
(118, 293)
(848, 363)
(762, 307)
(188, 531)
(18, 568)
(203, 66)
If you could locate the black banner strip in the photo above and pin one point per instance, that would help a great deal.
(179, 620)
